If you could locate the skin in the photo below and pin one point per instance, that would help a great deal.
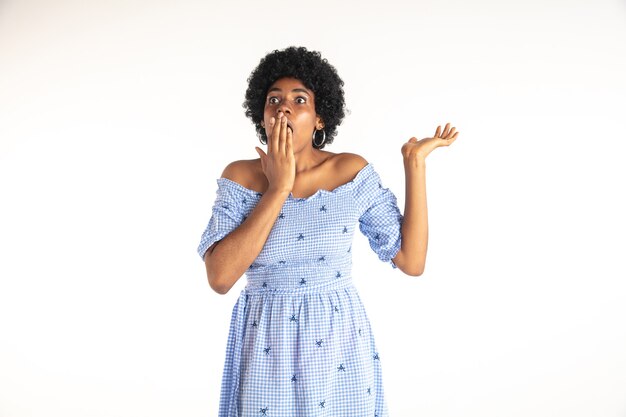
(289, 119)
(293, 166)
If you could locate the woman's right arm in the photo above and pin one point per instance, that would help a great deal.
(228, 259)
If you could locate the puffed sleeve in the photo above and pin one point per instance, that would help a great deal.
(228, 212)
(380, 219)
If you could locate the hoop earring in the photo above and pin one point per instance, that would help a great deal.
(323, 137)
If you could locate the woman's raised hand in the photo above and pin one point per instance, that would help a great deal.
(419, 149)
(279, 164)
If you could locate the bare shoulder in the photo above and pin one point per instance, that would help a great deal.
(350, 163)
(244, 171)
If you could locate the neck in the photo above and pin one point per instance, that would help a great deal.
(308, 158)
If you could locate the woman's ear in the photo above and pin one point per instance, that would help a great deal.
(319, 124)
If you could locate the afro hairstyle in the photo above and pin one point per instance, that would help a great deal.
(313, 71)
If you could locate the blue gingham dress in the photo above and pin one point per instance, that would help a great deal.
(300, 342)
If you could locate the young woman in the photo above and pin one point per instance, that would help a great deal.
(300, 342)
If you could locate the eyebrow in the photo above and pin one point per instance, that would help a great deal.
(295, 90)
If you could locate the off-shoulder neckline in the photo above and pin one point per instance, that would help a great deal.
(320, 191)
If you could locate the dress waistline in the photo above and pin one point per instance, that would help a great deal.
(300, 279)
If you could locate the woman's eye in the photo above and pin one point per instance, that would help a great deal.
(272, 100)
(300, 100)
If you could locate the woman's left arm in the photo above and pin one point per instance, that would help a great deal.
(411, 259)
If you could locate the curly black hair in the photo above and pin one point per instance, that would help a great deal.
(313, 71)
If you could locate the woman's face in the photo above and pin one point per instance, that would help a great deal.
(297, 103)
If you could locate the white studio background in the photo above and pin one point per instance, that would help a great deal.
(116, 118)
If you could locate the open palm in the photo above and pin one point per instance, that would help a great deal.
(422, 148)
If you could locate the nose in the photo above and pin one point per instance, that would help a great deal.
(284, 108)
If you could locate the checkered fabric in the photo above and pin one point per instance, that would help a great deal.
(300, 342)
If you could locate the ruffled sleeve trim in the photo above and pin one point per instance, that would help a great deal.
(232, 203)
